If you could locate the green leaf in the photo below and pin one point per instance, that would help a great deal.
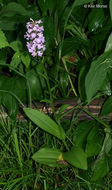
(3, 40)
(107, 107)
(62, 109)
(36, 82)
(48, 156)
(71, 44)
(16, 45)
(63, 78)
(25, 57)
(51, 5)
(17, 86)
(97, 74)
(76, 157)
(6, 24)
(109, 43)
(49, 33)
(110, 6)
(3, 56)
(24, 3)
(107, 144)
(43, 6)
(106, 87)
(16, 60)
(47, 5)
(78, 18)
(7, 99)
(81, 132)
(96, 19)
(81, 81)
(101, 35)
(16, 144)
(12, 9)
(45, 123)
(61, 5)
(66, 14)
(94, 142)
(82, 2)
(100, 168)
(110, 159)
(10, 104)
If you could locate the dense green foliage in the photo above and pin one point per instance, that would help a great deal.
(48, 151)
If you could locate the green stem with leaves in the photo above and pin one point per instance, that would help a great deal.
(96, 118)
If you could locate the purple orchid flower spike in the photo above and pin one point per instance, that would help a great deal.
(35, 38)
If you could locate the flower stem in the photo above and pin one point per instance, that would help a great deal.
(74, 91)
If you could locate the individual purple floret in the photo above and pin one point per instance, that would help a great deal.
(35, 38)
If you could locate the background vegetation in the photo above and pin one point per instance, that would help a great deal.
(50, 151)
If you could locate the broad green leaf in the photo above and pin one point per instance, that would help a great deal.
(7, 25)
(107, 144)
(12, 9)
(45, 122)
(110, 6)
(18, 86)
(107, 107)
(78, 17)
(16, 45)
(71, 44)
(109, 43)
(3, 40)
(97, 74)
(24, 3)
(101, 35)
(82, 2)
(94, 141)
(96, 19)
(7, 99)
(16, 60)
(36, 82)
(76, 157)
(48, 156)
(106, 87)
(81, 132)
(10, 103)
(3, 56)
(100, 168)
(25, 57)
